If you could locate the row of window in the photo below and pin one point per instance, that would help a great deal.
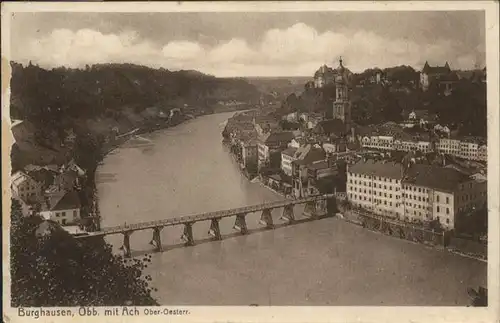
(375, 178)
(418, 206)
(369, 184)
(414, 197)
(374, 193)
(63, 214)
(28, 188)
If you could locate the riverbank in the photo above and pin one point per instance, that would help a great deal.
(404, 231)
(111, 146)
(186, 170)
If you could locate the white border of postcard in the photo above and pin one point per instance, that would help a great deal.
(284, 314)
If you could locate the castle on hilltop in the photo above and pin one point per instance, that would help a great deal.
(326, 75)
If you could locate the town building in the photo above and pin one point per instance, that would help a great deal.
(324, 76)
(375, 186)
(415, 193)
(270, 146)
(25, 188)
(441, 77)
(265, 124)
(420, 118)
(321, 176)
(440, 193)
(63, 208)
(303, 157)
(287, 157)
(467, 148)
(249, 154)
(332, 128)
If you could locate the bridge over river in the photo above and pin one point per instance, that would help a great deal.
(315, 208)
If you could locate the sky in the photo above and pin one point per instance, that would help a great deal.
(251, 44)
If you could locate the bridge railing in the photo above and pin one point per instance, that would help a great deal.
(208, 216)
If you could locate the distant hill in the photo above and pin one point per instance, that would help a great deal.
(281, 86)
(122, 96)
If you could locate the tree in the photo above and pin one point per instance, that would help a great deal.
(479, 297)
(51, 268)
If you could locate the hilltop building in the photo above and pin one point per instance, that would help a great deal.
(441, 77)
(342, 103)
(326, 75)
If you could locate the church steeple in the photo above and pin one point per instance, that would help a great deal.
(342, 103)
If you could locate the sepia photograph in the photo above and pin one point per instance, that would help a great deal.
(252, 158)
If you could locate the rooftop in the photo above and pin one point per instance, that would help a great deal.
(377, 168)
(19, 177)
(436, 69)
(335, 126)
(290, 151)
(439, 178)
(63, 201)
(279, 137)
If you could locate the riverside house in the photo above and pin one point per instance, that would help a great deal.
(62, 207)
(303, 157)
(25, 187)
(270, 146)
(416, 193)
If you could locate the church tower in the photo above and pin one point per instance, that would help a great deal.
(342, 103)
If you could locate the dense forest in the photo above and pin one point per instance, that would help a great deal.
(93, 101)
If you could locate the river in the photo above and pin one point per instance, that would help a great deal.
(185, 170)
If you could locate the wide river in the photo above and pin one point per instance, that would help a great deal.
(186, 170)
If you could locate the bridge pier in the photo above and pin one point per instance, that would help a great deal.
(241, 223)
(310, 209)
(267, 219)
(187, 236)
(215, 229)
(288, 214)
(156, 241)
(126, 244)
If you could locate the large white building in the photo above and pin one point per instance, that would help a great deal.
(24, 187)
(420, 193)
(63, 208)
(470, 149)
(376, 186)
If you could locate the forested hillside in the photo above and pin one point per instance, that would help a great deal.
(95, 100)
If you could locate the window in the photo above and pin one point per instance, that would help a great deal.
(447, 200)
(437, 208)
(437, 199)
(447, 211)
(75, 214)
(447, 221)
(57, 214)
